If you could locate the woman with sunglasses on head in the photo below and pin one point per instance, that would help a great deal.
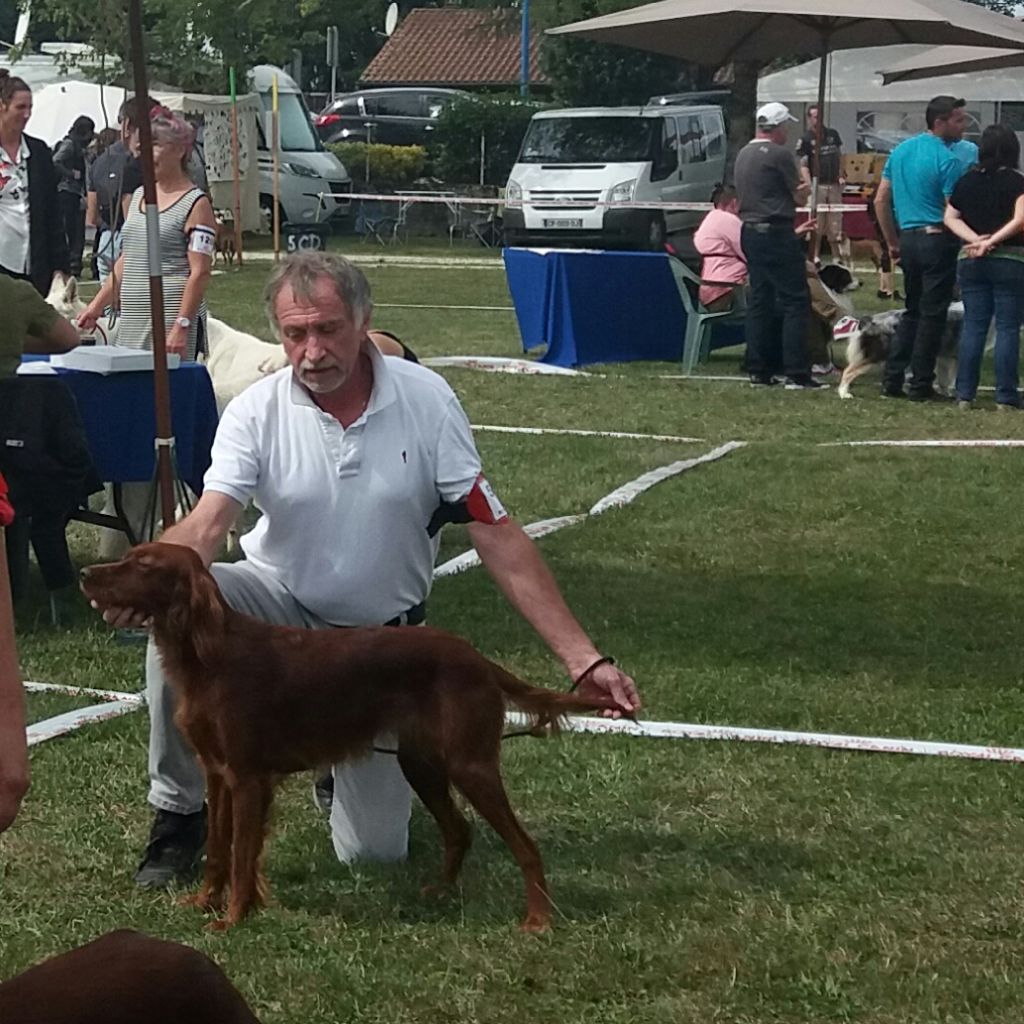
(187, 236)
(32, 243)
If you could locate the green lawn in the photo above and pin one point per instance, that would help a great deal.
(868, 591)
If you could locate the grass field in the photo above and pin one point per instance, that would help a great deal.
(869, 591)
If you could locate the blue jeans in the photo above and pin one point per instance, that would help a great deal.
(991, 286)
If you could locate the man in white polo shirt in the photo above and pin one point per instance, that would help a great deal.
(356, 461)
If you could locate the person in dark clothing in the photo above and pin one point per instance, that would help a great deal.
(830, 180)
(69, 162)
(769, 187)
(919, 177)
(986, 210)
(32, 243)
(114, 177)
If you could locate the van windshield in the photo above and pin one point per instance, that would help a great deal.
(297, 133)
(589, 140)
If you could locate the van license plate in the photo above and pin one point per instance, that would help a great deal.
(563, 222)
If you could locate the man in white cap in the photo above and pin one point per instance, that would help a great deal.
(769, 185)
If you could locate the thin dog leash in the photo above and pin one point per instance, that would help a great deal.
(603, 660)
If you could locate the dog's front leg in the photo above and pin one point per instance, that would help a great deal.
(250, 805)
(218, 846)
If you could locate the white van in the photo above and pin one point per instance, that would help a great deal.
(306, 168)
(613, 155)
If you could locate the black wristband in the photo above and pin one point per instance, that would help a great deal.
(604, 660)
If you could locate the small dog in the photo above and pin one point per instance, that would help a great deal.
(870, 346)
(837, 278)
(225, 244)
(258, 702)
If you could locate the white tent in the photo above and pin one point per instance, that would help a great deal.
(55, 107)
(870, 116)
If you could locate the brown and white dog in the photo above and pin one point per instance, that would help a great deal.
(869, 347)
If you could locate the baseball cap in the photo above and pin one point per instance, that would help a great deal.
(771, 115)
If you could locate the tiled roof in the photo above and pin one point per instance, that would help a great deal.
(454, 46)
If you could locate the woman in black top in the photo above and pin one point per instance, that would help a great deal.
(986, 210)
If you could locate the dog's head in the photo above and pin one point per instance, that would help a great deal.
(838, 278)
(63, 296)
(167, 583)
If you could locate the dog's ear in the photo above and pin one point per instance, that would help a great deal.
(206, 610)
(71, 289)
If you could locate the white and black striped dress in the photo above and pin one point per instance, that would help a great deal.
(135, 328)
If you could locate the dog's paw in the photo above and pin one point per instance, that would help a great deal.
(536, 924)
(844, 392)
(207, 902)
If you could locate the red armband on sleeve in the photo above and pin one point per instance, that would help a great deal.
(6, 509)
(483, 505)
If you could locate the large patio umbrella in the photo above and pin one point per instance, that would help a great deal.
(716, 32)
(951, 60)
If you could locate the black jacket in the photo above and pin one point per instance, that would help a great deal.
(48, 248)
(69, 163)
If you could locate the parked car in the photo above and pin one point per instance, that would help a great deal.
(583, 174)
(397, 116)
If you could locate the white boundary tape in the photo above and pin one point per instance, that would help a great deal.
(585, 433)
(504, 364)
(71, 720)
(834, 741)
(418, 305)
(83, 691)
(936, 443)
(620, 496)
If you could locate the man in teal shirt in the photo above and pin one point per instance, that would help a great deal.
(918, 179)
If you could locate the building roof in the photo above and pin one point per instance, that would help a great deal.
(454, 46)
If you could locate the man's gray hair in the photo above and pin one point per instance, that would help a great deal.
(303, 271)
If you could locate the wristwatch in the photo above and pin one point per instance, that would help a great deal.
(183, 321)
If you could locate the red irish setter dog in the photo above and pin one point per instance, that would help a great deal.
(258, 702)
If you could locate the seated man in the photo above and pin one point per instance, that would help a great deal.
(356, 461)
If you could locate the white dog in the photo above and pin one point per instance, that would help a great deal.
(236, 359)
(63, 296)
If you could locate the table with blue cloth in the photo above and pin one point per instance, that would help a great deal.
(119, 415)
(591, 306)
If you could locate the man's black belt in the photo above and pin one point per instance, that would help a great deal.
(767, 225)
(927, 229)
(415, 616)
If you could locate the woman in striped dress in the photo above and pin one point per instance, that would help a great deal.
(187, 235)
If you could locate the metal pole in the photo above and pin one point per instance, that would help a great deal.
(275, 149)
(235, 168)
(524, 50)
(161, 381)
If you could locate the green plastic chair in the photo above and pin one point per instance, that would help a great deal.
(700, 320)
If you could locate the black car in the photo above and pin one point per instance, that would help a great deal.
(396, 116)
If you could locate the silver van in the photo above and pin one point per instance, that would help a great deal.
(306, 168)
(600, 159)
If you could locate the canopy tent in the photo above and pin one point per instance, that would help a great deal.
(872, 117)
(56, 105)
(939, 61)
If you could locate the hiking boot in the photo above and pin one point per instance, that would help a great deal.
(323, 792)
(893, 392)
(803, 382)
(1007, 407)
(965, 404)
(174, 851)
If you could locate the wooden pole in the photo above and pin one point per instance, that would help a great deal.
(275, 149)
(161, 380)
(236, 167)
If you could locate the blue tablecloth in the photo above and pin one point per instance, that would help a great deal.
(590, 306)
(119, 415)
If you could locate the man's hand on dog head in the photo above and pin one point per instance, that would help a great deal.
(123, 618)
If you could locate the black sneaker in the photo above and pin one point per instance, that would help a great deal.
(323, 792)
(928, 396)
(762, 380)
(174, 851)
(893, 392)
(803, 382)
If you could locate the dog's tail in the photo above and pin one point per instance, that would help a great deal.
(547, 709)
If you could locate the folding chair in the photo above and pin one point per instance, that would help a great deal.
(700, 320)
(376, 224)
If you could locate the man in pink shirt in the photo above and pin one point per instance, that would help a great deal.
(718, 242)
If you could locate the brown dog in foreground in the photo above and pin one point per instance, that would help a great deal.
(124, 978)
(258, 702)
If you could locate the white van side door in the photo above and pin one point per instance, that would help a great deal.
(700, 172)
(666, 172)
